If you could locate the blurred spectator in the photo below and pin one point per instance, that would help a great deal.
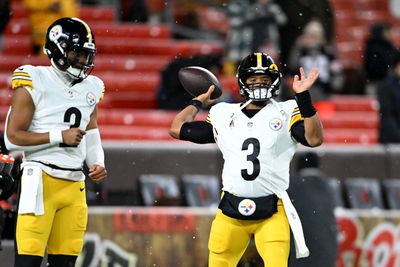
(157, 11)
(4, 15)
(389, 99)
(134, 10)
(300, 12)
(42, 13)
(379, 55)
(171, 94)
(184, 19)
(265, 20)
(394, 8)
(311, 50)
(240, 35)
(314, 200)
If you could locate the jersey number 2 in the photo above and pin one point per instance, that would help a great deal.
(252, 158)
(67, 118)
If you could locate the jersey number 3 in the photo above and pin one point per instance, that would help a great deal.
(67, 118)
(252, 158)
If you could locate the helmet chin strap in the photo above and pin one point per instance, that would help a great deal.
(64, 75)
(75, 73)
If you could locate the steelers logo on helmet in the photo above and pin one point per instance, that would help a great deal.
(247, 207)
(70, 45)
(258, 64)
(55, 33)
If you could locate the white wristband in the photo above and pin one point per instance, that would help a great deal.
(94, 149)
(55, 137)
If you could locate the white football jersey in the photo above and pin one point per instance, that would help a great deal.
(257, 151)
(58, 106)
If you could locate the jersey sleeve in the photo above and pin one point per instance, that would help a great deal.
(99, 84)
(22, 77)
(295, 116)
(296, 124)
(208, 119)
(213, 118)
(25, 77)
(213, 114)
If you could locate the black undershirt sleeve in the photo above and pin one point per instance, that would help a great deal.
(298, 133)
(200, 132)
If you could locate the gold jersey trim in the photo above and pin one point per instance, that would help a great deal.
(21, 79)
(296, 117)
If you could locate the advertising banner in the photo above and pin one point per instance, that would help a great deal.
(129, 237)
(368, 238)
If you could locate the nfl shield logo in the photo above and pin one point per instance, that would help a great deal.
(30, 171)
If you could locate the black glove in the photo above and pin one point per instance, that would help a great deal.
(7, 183)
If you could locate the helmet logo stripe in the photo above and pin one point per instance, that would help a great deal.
(89, 32)
(259, 60)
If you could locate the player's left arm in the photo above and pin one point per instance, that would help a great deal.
(314, 133)
(94, 150)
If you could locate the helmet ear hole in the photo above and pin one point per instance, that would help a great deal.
(62, 62)
(63, 44)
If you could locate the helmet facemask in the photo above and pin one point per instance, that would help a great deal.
(263, 65)
(259, 92)
(80, 63)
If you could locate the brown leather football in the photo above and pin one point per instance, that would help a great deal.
(196, 81)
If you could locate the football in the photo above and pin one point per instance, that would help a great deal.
(196, 81)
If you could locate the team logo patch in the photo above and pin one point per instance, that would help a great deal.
(91, 99)
(275, 124)
(55, 33)
(247, 207)
(30, 171)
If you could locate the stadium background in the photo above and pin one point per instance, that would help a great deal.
(359, 191)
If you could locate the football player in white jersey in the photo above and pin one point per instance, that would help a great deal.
(258, 139)
(53, 120)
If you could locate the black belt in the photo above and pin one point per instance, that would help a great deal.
(259, 208)
(53, 166)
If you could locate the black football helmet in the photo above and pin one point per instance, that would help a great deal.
(258, 64)
(71, 34)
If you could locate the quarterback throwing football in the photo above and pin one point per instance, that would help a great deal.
(53, 119)
(258, 139)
